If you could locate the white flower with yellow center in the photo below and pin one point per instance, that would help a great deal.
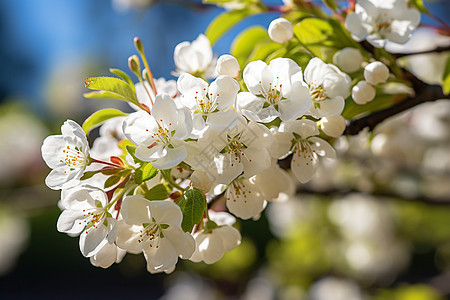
(240, 149)
(87, 212)
(67, 155)
(381, 20)
(208, 103)
(299, 137)
(217, 237)
(276, 90)
(160, 135)
(328, 86)
(244, 198)
(154, 228)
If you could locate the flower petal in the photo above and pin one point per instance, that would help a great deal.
(136, 210)
(252, 76)
(91, 241)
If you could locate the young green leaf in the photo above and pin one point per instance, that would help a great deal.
(124, 76)
(193, 205)
(145, 172)
(446, 78)
(101, 116)
(224, 22)
(114, 87)
(112, 181)
(245, 42)
(158, 192)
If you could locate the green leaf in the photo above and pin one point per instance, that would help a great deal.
(101, 116)
(88, 174)
(224, 22)
(115, 88)
(193, 205)
(145, 172)
(158, 192)
(446, 78)
(244, 43)
(420, 6)
(124, 76)
(262, 50)
(112, 181)
(131, 149)
(312, 30)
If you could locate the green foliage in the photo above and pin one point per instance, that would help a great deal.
(146, 171)
(193, 205)
(110, 88)
(124, 76)
(446, 78)
(380, 102)
(411, 292)
(112, 180)
(244, 44)
(420, 6)
(158, 192)
(101, 116)
(225, 21)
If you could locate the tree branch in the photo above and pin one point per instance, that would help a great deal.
(424, 93)
(435, 50)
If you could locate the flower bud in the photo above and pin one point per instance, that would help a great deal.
(138, 44)
(363, 92)
(348, 59)
(376, 73)
(281, 30)
(134, 64)
(228, 65)
(333, 126)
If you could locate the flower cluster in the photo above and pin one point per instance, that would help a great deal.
(169, 178)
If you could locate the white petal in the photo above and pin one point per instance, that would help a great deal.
(286, 72)
(231, 237)
(166, 212)
(164, 111)
(138, 128)
(252, 76)
(255, 160)
(69, 221)
(354, 25)
(105, 257)
(93, 240)
(161, 257)
(52, 151)
(192, 90)
(322, 147)
(172, 158)
(222, 119)
(303, 165)
(135, 210)
(244, 199)
(150, 153)
(184, 124)
(297, 103)
(227, 168)
(224, 90)
(58, 177)
(211, 248)
(128, 236)
(182, 241)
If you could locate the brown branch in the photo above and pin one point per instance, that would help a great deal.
(424, 93)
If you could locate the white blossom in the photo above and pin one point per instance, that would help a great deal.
(107, 255)
(299, 137)
(218, 237)
(67, 154)
(276, 90)
(244, 198)
(363, 92)
(87, 212)
(328, 86)
(241, 148)
(154, 228)
(208, 103)
(381, 20)
(376, 72)
(333, 126)
(195, 58)
(160, 135)
(281, 30)
(348, 59)
(228, 65)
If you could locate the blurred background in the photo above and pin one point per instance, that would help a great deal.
(374, 224)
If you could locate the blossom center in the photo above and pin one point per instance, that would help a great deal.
(208, 104)
(151, 232)
(162, 135)
(318, 94)
(74, 157)
(94, 218)
(274, 94)
(234, 145)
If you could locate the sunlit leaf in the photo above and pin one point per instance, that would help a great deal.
(115, 88)
(158, 192)
(193, 205)
(99, 117)
(245, 42)
(224, 22)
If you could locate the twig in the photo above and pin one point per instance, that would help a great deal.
(435, 50)
(425, 94)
